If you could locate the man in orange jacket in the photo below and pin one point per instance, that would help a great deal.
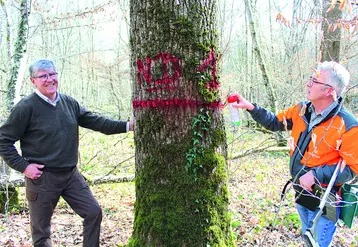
(322, 133)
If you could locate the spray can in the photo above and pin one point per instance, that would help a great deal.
(234, 112)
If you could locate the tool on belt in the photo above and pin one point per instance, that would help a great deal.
(309, 237)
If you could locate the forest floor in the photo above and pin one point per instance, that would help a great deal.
(258, 218)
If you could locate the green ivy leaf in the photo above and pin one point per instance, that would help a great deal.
(195, 141)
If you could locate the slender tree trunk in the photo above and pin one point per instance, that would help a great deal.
(264, 69)
(248, 67)
(16, 64)
(44, 37)
(8, 32)
(222, 24)
(272, 50)
(258, 52)
(20, 49)
(331, 40)
(181, 176)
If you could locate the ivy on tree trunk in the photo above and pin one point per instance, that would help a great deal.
(20, 44)
(20, 49)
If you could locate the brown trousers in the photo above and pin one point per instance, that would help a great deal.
(43, 195)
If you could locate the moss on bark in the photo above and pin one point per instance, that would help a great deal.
(174, 209)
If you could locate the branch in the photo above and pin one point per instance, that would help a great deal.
(259, 150)
(20, 182)
(111, 179)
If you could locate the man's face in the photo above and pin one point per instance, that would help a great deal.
(317, 87)
(46, 81)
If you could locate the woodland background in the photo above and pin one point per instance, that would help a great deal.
(88, 41)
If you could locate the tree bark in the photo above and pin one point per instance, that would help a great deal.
(330, 45)
(181, 169)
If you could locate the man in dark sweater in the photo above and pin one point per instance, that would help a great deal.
(47, 123)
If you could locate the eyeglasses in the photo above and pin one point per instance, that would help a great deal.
(313, 80)
(46, 76)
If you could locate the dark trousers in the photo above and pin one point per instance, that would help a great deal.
(43, 195)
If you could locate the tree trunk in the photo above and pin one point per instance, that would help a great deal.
(331, 40)
(257, 48)
(20, 49)
(181, 176)
(8, 34)
(265, 73)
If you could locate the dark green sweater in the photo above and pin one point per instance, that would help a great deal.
(49, 134)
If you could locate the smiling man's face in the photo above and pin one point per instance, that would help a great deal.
(46, 81)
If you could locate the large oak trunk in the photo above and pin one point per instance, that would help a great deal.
(181, 176)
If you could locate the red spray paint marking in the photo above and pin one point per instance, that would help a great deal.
(175, 103)
(170, 81)
(210, 62)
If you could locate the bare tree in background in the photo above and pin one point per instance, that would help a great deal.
(16, 63)
(8, 32)
(20, 49)
(330, 44)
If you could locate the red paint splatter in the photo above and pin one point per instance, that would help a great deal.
(170, 69)
(159, 103)
(167, 62)
(210, 63)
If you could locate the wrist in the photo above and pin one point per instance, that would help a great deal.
(250, 107)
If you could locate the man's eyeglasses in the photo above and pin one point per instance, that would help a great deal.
(314, 80)
(46, 76)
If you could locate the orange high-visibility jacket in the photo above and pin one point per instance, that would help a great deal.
(320, 148)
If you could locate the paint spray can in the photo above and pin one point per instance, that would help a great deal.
(234, 112)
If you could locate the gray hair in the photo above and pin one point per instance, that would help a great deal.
(42, 64)
(339, 75)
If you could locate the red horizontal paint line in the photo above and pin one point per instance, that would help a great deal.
(152, 89)
(158, 103)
